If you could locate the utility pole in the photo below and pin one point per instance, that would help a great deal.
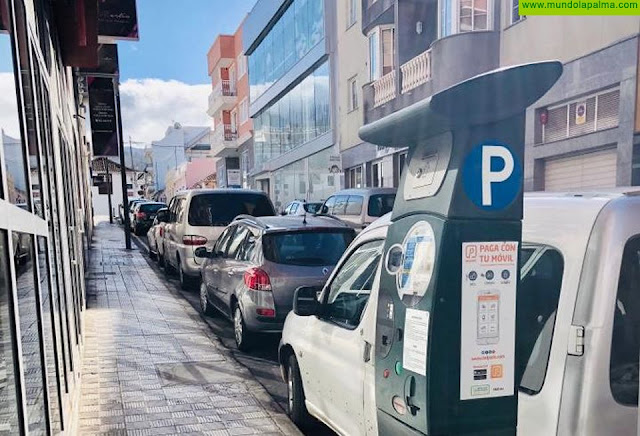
(109, 190)
(125, 202)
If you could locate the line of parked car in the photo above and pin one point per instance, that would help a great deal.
(315, 277)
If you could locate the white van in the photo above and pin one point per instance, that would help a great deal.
(578, 325)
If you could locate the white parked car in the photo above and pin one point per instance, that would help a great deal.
(578, 323)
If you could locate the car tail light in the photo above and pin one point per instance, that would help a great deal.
(194, 240)
(271, 313)
(141, 215)
(256, 279)
(161, 231)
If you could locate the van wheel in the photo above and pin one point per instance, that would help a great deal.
(242, 335)
(168, 268)
(296, 408)
(153, 254)
(186, 282)
(160, 260)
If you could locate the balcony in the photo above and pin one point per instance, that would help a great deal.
(223, 97)
(224, 141)
(416, 72)
(384, 89)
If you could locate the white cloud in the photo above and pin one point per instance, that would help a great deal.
(149, 106)
(8, 105)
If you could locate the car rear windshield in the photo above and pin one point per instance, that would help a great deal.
(312, 207)
(381, 204)
(152, 208)
(221, 209)
(306, 248)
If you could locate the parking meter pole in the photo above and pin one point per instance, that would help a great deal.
(446, 350)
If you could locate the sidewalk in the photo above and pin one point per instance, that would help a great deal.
(151, 365)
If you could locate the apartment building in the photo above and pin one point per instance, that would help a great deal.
(292, 80)
(580, 135)
(180, 144)
(232, 137)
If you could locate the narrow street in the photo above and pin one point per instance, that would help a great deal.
(151, 366)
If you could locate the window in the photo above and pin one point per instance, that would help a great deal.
(223, 241)
(180, 210)
(299, 29)
(515, 11)
(347, 295)
(585, 115)
(625, 342)
(221, 209)
(541, 269)
(376, 174)
(457, 16)
(341, 205)
(306, 248)
(294, 209)
(245, 253)
(354, 205)
(352, 12)
(352, 89)
(327, 208)
(299, 116)
(241, 61)
(381, 204)
(381, 52)
(354, 177)
(244, 111)
(237, 240)
(635, 166)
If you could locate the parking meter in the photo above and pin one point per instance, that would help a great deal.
(445, 329)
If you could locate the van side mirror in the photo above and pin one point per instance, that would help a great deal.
(324, 210)
(203, 253)
(305, 301)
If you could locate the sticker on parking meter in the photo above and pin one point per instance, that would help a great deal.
(492, 176)
(418, 257)
(416, 332)
(488, 317)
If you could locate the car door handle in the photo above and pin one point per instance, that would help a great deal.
(366, 355)
(230, 273)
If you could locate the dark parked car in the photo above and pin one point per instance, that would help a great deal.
(143, 216)
(257, 263)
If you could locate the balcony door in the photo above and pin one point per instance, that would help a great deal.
(381, 52)
(458, 16)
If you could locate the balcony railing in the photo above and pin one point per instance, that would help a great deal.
(416, 72)
(224, 132)
(384, 89)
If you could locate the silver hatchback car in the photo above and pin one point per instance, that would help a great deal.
(256, 265)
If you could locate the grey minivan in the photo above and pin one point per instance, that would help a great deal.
(253, 270)
(360, 207)
(196, 219)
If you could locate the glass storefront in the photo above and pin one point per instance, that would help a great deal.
(307, 179)
(297, 117)
(40, 316)
(297, 31)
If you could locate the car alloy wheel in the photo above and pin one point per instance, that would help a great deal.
(238, 327)
(290, 389)
(204, 302)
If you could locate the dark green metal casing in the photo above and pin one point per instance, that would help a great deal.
(486, 109)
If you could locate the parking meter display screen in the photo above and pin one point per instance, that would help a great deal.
(418, 258)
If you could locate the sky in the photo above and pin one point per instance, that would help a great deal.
(163, 76)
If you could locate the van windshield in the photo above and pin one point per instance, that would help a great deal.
(306, 248)
(220, 209)
(541, 268)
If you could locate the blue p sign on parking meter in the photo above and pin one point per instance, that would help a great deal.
(492, 176)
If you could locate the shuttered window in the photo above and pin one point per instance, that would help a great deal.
(586, 115)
